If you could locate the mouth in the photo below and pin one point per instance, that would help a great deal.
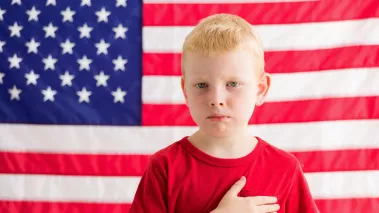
(218, 117)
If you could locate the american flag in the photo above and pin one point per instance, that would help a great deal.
(89, 89)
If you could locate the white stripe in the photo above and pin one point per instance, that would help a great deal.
(147, 140)
(67, 188)
(122, 189)
(297, 86)
(344, 184)
(279, 36)
(327, 135)
(218, 1)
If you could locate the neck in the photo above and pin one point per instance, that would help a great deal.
(234, 146)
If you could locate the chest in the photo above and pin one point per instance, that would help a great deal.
(200, 190)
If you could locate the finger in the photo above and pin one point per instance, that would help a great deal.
(268, 208)
(237, 187)
(261, 200)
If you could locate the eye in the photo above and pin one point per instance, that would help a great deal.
(233, 84)
(201, 85)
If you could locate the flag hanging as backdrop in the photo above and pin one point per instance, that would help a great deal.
(90, 89)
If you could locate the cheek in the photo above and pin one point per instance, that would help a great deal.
(243, 96)
(192, 96)
(244, 102)
(195, 103)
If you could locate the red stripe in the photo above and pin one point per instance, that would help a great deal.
(72, 164)
(274, 112)
(366, 205)
(281, 61)
(339, 160)
(60, 207)
(350, 205)
(261, 13)
(134, 165)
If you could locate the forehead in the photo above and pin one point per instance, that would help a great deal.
(232, 64)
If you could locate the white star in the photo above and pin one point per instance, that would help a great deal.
(32, 46)
(1, 77)
(102, 15)
(85, 31)
(52, 2)
(120, 31)
(33, 14)
(119, 63)
(66, 79)
(15, 30)
(101, 79)
(48, 94)
(16, 2)
(15, 93)
(31, 78)
(84, 95)
(121, 3)
(2, 12)
(84, 63)
(68, 15)
(86, 2)
(2, 43)
(49, 62)
(102, 47)
(14, 61)
(118, 95)
(67, 47)
(50, 30)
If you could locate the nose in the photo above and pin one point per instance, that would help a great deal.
(219, 103)
(217, 99)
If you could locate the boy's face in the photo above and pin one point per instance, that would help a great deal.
(221, 92)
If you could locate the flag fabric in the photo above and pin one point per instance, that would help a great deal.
(90, 89)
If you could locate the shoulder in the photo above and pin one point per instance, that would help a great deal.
(296, 190)
(166, 155)
(278, 156)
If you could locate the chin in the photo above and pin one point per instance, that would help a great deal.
(218, 130)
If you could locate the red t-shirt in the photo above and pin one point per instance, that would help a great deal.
(182, 179)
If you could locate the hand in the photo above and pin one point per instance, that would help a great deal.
(258, 204)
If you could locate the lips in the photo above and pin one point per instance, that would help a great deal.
(218, 117)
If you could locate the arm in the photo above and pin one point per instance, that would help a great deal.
(151, 194)
(299, 199)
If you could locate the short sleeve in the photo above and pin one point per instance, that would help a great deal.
(151, 194)
(300, 199)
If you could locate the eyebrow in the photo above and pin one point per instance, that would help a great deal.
(199, 78)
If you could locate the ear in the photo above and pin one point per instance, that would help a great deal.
(182, 83)
(263, 88)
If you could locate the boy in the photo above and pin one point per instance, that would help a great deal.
(221, 168)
